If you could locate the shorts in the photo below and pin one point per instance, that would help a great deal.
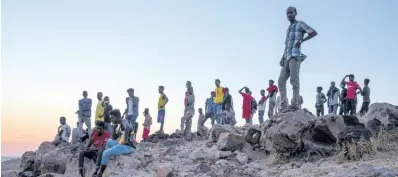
(161, 114)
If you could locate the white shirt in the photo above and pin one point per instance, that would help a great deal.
(130, 107)
(261, 107)
(65, 132)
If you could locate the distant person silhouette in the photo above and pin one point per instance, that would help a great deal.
(84, 113)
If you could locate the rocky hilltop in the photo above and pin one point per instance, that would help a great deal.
(290, 144)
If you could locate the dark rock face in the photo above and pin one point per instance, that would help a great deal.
(253, 135)
(27, 161)
(155, 138)
(230, 142)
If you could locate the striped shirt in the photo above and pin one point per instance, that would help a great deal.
(294, 34)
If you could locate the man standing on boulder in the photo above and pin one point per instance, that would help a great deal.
(292, 57)
(84, 113)
(132, 108)
(99, 112)
(163, 100)
(272, 91)
(366, 98)
(219, 100)
(189, 113)
(352, 87)
(333, 95)
(209, 108)
(107, 117)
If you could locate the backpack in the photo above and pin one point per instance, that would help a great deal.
(254, 104)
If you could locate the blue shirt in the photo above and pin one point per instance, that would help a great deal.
(210, 106)
(85, 107)
(294, 34)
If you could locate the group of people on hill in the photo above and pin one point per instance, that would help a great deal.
(346, 99)
(115, 133)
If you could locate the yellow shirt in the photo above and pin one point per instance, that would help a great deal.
(161, 102)
(99, 111)
(219, 95)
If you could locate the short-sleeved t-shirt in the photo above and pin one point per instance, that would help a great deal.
(99, 111)
(65, 132)
(219, 95)
(99, 141)
(352, 87)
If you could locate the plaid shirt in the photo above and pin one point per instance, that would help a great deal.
(294, 34)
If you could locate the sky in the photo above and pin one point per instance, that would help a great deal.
(53, 50)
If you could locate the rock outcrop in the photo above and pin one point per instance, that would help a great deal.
(306, 142)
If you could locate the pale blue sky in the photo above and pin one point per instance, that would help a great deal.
(53, 50)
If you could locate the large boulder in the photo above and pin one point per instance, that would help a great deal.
(52, 162)
(283, 133)
(386, 113)
(155, 138)
(27, 161)
(230, 142)
(217, 129)
(253, 135)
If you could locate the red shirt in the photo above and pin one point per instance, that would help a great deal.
(99, 141)
(352, 87)
(272, 88)
(247, 100)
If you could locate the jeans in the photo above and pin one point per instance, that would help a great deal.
(271, 108)
(218, 108)
(108, 128)
(88, 154)
(333, 109)
(132, 120)
(117, 149)
(291, 69)
(211, 116)
(261, 116)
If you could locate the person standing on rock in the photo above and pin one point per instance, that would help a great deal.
(227, 99)
(254, 106)
(333, 95)
(163, 100)
(63, 134)
(147, 125)
(99, 112)
(366, 98)
(292, 57)
(189, 113)
(352, 87)
(261, 106)
(247, 105)
(92, 150)
(343, 100)
(210, 108)
(201, 121)
(272, 91)
(132, 103)
(219, 100)
(320, 101)
(107, 117)
(84, 113)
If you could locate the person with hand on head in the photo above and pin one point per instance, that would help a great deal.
(247, 105)
(292, 58)
(352, 87)
(97, 140)
(333, 95)
(219, 100)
